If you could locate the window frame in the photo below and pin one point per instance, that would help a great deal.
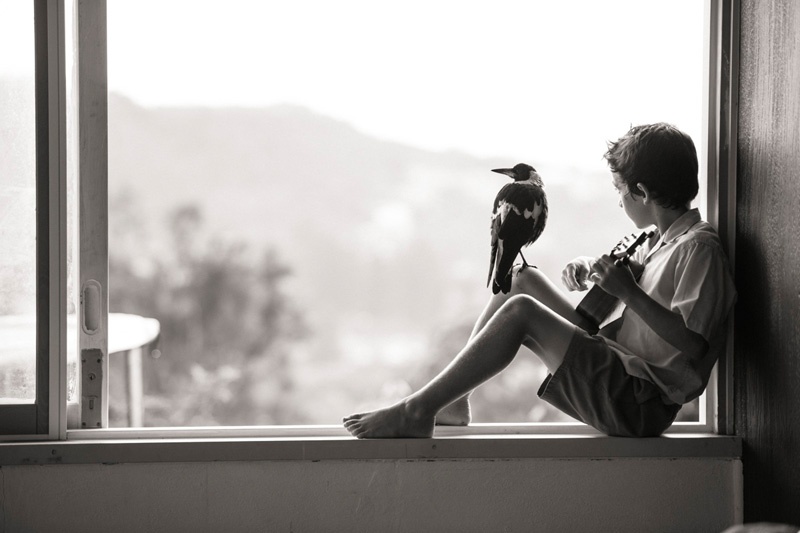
(719, 141)
(45, 419)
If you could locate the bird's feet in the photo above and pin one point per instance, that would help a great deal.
(519, 267)
(397, 421)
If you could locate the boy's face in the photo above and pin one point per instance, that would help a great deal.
(633, 205)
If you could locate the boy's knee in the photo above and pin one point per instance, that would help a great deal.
(520, 307)
(528, 279)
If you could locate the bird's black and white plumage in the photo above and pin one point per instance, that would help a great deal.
(518, 219)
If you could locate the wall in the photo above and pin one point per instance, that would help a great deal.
(552, 495)
(767, 337)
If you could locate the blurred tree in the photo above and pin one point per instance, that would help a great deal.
(228, 331)
(226, 325)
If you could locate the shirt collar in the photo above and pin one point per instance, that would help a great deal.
(681, 225)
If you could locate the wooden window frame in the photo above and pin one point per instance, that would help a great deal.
(721, 137)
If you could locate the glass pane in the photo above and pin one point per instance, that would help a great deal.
(73, 294)
(17, 204)
(303, 201)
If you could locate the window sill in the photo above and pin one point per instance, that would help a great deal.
(452, 444)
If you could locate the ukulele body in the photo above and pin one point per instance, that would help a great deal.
(597, 304)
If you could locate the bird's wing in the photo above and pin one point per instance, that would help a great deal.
(495, 244)
(539, 217)
(511, 237)
(512, 225)
(531, 201)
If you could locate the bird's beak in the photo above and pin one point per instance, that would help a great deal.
(507, 171)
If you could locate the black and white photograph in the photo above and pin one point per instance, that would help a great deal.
(408, 267)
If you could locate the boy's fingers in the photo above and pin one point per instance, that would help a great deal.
(581, 276)
(605, 260)
(574, 275)
(602, 264)
(600, 269)
(569, 277)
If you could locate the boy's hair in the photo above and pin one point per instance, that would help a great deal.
(660, 156)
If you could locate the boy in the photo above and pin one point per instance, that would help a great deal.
(631, 378)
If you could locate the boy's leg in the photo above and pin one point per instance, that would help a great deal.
(532, 282)
(521, 319)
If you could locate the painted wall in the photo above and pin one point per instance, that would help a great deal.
(552, 495)
(767, 338)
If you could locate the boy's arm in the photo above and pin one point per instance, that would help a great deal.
(668, 325)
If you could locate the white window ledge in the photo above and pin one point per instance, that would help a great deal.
(459, 443)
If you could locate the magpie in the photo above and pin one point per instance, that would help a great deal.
(518, 219)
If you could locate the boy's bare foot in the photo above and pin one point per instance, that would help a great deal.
(397, 421)
(457, 413)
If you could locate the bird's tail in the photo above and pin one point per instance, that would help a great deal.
(502, 272)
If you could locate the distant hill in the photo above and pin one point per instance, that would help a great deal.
(380, 236)
(361, 221)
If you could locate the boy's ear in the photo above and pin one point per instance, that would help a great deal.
(645, 192)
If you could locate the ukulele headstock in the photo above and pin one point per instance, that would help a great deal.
(625, 248)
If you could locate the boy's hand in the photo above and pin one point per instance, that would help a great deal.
(615, 280)
(576, 274)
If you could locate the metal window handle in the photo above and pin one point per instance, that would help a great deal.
(91, 306)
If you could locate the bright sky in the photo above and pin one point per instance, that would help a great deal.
(518, 78)
(525, 79)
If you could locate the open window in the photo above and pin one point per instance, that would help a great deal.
(283, 262)
(33, 227)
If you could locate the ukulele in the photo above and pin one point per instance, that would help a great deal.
(597, 304)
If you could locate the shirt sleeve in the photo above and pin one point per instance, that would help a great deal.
(704, 290)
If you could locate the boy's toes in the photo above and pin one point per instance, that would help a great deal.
(354, 428)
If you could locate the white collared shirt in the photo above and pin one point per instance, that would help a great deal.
(687, 272)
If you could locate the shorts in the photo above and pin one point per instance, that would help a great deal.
(592, 386)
